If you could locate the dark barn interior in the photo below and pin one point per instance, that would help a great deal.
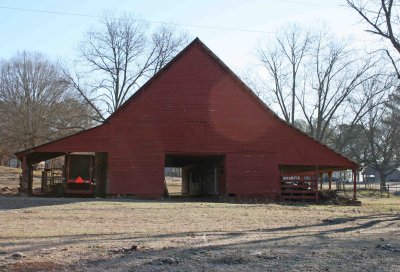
(202, 175)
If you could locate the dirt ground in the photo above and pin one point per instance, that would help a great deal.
(63, 234)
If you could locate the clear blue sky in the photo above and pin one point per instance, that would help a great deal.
(58, 35)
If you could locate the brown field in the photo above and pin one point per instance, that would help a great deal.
(59, 234)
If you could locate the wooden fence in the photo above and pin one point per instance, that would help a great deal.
(299, 187)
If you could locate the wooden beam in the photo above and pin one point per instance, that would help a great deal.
(101, 173)
(321, 174)
(30, 177)
(330, 180)
(26, 181)
(354, 184)
(23, 186)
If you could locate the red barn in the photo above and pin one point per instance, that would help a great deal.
(197, 114)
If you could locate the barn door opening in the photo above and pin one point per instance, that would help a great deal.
(200, 175)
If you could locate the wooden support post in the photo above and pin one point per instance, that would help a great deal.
(330, 180)
(320, 178)
(355, 185)
(316, 189)
(101, 173)
(26, 181)
(279, 183)
(23, 185)
(30, 178)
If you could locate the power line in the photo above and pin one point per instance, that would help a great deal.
(171, 23)
(310, 4)
(221, 28)
(148, 21)
(51, 12)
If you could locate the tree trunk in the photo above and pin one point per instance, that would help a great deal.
(382, 175)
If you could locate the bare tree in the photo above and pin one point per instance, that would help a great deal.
(382, 17)
(167, 41)
(394, 101)
(381, 125)
(382, 132)
(118, 57)
(347, 136)
(282, 61)
(318, 74)
(36, 104)
(333, 86)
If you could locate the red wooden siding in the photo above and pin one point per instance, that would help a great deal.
(95, 139)
(252, 174)
(197, 106)
(298, 148)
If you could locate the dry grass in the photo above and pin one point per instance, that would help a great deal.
(56, 234)
(80, 234)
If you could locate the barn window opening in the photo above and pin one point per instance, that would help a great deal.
(194, 175)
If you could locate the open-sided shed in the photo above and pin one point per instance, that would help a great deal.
(197, 114)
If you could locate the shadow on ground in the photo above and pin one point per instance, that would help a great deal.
(21, 202)
(332, 245)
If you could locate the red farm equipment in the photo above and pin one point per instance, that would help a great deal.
(79, 174)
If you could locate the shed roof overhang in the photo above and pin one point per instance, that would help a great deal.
(304, 169)
(91, 140)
